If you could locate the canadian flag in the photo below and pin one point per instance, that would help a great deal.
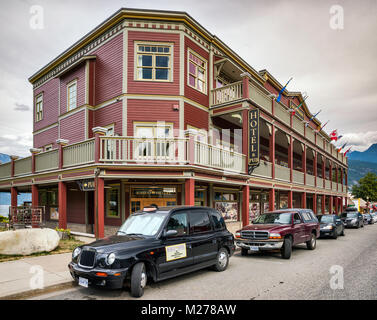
(334, 135)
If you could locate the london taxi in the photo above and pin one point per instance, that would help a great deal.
(155, 244)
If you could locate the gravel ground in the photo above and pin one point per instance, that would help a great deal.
(266, 276)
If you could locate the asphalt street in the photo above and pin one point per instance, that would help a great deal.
(307, 275)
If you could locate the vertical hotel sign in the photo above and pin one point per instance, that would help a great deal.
(253, 139)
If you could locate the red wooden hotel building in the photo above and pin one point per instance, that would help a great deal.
(151, 108)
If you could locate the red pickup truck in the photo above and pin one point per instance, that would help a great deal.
(279, 230)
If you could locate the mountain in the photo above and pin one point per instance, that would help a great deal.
(369, 155)
(358, 169)
(4, 158)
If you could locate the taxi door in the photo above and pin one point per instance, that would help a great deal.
(176, 251)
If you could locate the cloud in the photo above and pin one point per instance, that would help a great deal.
(359, 141)
(16, 144)
(21, 107)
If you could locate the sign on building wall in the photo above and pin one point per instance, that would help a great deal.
(87, 185)
(253, 139)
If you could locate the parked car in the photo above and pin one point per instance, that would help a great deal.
(352, 219)
(368, 218)
(155, 243)
(280, 230)
(331, 225)
(374, 217)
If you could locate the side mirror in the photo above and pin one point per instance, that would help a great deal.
(170, 233)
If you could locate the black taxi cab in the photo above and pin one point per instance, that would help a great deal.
(155, 244)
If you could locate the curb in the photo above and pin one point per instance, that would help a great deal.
(38, 292)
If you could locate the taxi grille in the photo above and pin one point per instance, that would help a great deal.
(87, 258)
(255, 235)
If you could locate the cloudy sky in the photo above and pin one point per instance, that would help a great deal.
(337, 67)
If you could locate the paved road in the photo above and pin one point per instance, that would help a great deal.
(266, 276)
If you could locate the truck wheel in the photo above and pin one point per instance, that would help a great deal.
(311, 244)
(286, 249)
(244, 252)
(222, 260)
(138, 280)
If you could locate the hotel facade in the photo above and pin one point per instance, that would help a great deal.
(151, 108)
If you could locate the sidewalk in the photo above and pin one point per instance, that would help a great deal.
(15, 276)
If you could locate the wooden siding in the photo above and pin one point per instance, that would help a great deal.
(190, 92)
(72, 127)
(111, 114)
(78, 74)
(155, 87)
(45, 138)
(108, 70)
(151, 111)
(195, 117)
(50, 92)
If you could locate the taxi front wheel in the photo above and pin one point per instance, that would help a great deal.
(222, 260)
(138, 280)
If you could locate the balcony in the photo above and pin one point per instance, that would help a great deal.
(128, 151)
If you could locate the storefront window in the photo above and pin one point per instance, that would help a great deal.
(296, 200)
(327, 204)
(112, 202)
(319, 204)
(309, 202)
(159, 196)
(200, 197)
(227, 204)
(283, 200)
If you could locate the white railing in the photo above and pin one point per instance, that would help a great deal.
(145, 150)
(78, 153)
(264, 169)
(319, 182)
(217, 157)
(282, 113)
(310, 180)
(5, 170)
(230, 92)
(282, 173)
(48, 160)
(261, 98)
(22, 166)
(327, 184)
(298, 176)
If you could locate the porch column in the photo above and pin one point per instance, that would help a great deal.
(61, 143)
(98, 132)
(34, 202)
(303, 200)
(336, 176)
(245, 137)
(62, 198)
(12, 160)
(315, 203)
(290, 160)
(304, 162)
(330, 204)
(245, 205)
(336, 205)
(323, 203)
(190, 192)
(330, 175)
(272, 151)
(13, 196)
(245, 84)
(315, 168)
(290, 198)
(33, 152)
(272, 200)
(324, 171)
(99, 208)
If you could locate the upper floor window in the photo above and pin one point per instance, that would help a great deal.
(72, 95)
(39, 108)
(197, 71)
(153, 62)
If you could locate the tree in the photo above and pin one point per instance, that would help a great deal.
(366, 188)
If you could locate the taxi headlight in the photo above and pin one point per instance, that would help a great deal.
(327, 228)
(76, 252)
(354, 220)
(110, 259)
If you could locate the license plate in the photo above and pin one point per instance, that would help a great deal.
(83, 282)
(254, 248)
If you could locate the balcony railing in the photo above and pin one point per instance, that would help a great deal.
(230, 92)
(264, 169)
(47, 161)
(310, 180)
(78, 153)
(282, 173)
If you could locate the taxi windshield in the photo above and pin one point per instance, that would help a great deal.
(146, 224)
(274, 218)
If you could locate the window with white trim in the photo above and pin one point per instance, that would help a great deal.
(197, 72)
(153, 62)
(72, 95)
(39, 108)
(48, 147)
